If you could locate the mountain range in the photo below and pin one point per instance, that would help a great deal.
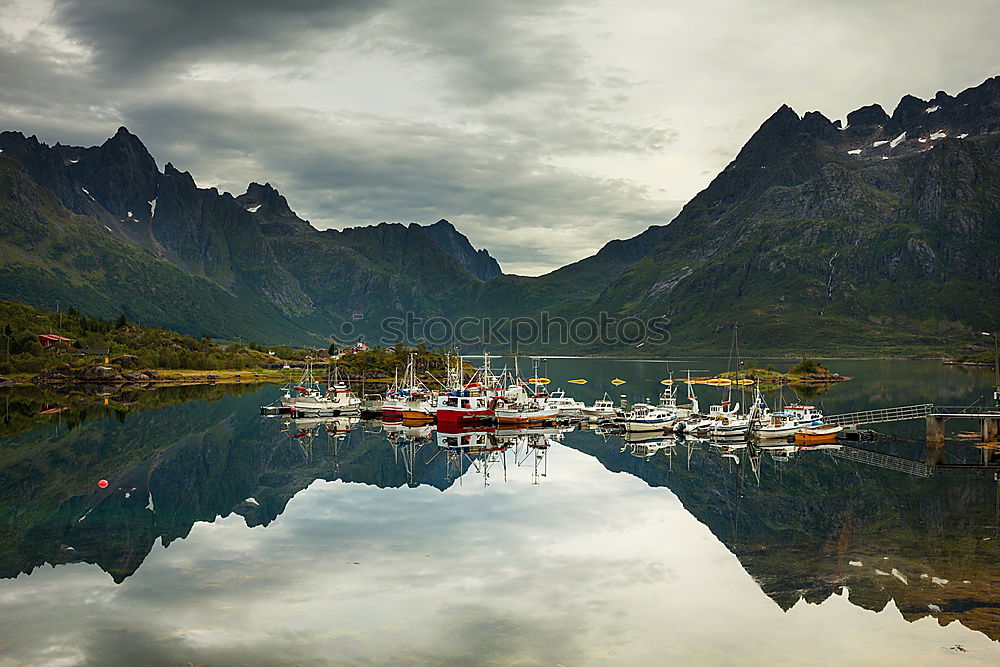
(878, 236)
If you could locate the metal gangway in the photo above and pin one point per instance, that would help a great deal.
(878, 416)
(879, 460)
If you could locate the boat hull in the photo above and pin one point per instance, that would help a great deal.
(782, 432)
(320, 407)
(527, 416)
(452, 416)
(648, 426)
(417, 416)
(817, 436)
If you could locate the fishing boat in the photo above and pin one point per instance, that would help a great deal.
(518, 407)
(306, 397)
(778, 425)
(728, 427)
(408, 399)
(717, 414)
(805, 414)
(647, 418)
(565, 406)
(817, 435)
(525, 413)
(465, 407)
(601, 409)
(689, 417)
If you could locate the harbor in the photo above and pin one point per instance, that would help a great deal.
(485, 399)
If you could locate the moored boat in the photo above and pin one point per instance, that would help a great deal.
(817, 435)
(601, 409)
(564, 405)
(647, 418)
(778, 425)
(465, 407)
(306, 398)
(410, 399)
(804, 414)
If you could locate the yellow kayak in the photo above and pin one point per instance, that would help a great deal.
(618, 381)
(719, 382)
(667, 382)
(539, 381)
(580, 381)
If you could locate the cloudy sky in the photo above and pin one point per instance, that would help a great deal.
(541, 128)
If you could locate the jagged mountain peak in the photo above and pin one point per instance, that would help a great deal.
(266, 200)
(125, 140)
(478, 262)
(443, 223)
(172, 172)
(872, 114)
(123, 133)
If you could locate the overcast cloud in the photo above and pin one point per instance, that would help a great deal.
(541, 128)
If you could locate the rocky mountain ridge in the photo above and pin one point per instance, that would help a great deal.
(875, 236)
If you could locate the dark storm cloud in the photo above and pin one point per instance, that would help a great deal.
(486, 49)
(130, 37)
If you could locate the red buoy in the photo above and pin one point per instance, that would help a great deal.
(103, 484)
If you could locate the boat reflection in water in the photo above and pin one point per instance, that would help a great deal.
(485, 448)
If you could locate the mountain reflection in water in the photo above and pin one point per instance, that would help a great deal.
(804, 523)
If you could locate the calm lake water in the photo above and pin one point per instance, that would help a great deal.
(227, 538)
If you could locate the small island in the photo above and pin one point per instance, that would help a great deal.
(806, 371)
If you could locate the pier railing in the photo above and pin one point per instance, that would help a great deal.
(887, 461)
(972, 411)
(878, 416)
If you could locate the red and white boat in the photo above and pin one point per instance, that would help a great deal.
(465, 407)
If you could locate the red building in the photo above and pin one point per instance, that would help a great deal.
(48, 340)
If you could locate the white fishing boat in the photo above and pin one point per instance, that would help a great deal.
(729, 427)
(525, 413)
(306, 397)
(805, 414)
(647, 418)
(517, 406)
(693, 424)
(717, 414)
(689, 418)
(603, 408)
(564, 405)
(778, 425)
